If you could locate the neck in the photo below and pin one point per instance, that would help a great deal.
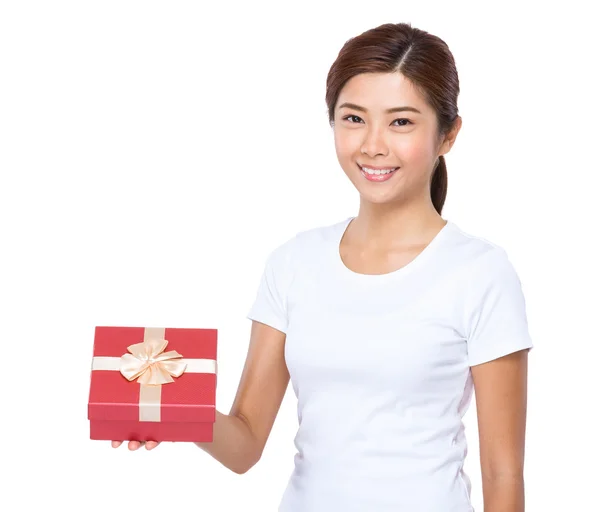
(387, 225)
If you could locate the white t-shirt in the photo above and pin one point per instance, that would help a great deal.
(380, 365)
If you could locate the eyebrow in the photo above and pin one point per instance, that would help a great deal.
(388, 111)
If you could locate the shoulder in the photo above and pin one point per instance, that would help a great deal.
(311, 240)
(473, 243)
(479, 266)
(488, 276)
(304, 245)
(477, 252)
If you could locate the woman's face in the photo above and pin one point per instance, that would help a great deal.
(366, 134)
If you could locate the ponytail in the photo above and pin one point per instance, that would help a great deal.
(439, 185)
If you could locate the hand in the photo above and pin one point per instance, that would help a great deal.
(134, 445)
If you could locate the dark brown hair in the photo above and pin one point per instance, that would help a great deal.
(422, 58)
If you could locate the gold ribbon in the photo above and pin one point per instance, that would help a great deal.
(152, 367)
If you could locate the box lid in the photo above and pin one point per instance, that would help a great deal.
(190, 398)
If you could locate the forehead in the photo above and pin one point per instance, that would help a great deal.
(379, 91)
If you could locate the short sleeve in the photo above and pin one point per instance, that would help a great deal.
(496, 313)
(270, 304)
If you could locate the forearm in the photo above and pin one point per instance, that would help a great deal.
(504, 494)
(233, 444)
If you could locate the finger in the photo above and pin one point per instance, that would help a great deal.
(151, 444)
(116, 444)
(134, 445)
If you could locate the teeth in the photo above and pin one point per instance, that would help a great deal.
(370, 171)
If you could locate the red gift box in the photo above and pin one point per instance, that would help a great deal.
(153, 384)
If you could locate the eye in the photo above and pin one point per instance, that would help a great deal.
(348, 117)
(403, 119)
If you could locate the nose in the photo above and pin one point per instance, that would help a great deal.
(374, 143)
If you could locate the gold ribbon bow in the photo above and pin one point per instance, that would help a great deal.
(150, 364)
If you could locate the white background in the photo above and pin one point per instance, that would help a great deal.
(153, 153)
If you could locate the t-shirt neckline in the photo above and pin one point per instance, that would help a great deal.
(411, 266)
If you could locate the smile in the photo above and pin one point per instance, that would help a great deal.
(377, 175)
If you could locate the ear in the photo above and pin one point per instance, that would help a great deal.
(451, 137)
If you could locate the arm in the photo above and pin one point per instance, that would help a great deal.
(501, 398)
(240, 437)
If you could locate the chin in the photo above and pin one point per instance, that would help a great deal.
(382, 198)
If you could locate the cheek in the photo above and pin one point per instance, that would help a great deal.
(347, 142)
(413, 150)
(343, 144)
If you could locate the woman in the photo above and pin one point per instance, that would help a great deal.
(386, 322)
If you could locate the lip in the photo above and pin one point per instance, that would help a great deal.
(378, 178)
(378, 168)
